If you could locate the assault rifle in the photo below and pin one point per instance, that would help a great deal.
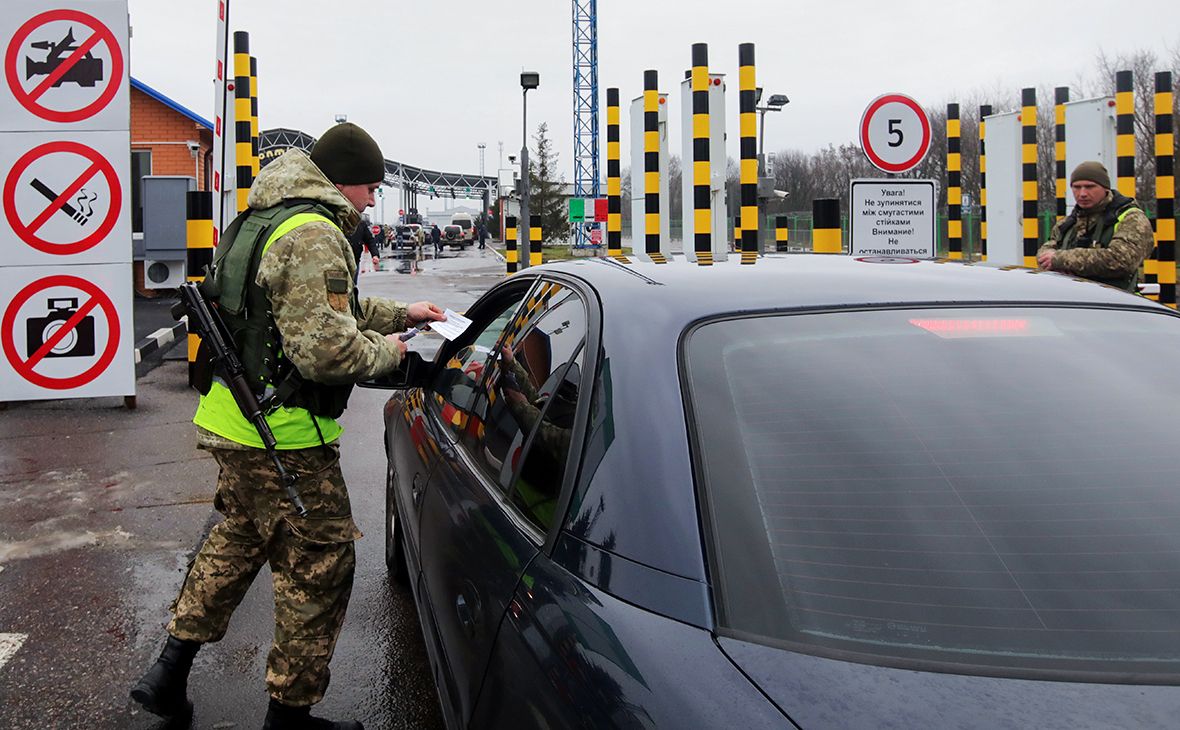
(206, 323)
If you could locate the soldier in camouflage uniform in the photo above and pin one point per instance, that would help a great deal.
(306, 274)
(1106, 238)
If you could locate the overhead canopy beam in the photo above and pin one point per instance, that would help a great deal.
(274, 142)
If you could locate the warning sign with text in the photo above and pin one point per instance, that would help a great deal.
(65, 63)
(893, 218)
(66, 334)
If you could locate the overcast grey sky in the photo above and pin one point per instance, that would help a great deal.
(433, 79)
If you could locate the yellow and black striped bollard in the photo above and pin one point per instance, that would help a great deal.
(1061, 94)
(985, 111)
(651, 166)
(748, 126)
(198, 254)
(1124, 150)
(255, 162)
(954, 183)
(781, 233)
(511, 254)
(535, 240)
(1165, 188)
(614, 178)
(243, 149)
(1028, 167)
(702, 216)
(825, 226)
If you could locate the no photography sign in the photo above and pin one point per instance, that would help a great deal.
(62, 334)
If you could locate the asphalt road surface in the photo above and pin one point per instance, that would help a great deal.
(104, 506)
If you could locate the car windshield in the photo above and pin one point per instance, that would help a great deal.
(973, 490)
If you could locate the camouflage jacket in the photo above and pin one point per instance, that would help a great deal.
(1132, 242)
(309, 274)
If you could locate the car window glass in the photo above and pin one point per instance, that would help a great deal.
(543, 337)
(538, 483)
(977, 487)
(454, 386)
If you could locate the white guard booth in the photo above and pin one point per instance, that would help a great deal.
(717, 167)
(1005, 221)
(638, 210)
(1090, 134)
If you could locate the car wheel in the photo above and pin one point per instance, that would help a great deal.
(395, 549)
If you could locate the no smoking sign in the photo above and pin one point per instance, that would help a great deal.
(62, 333)
(64, 66)
(64, 201)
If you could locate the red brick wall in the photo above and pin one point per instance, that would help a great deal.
(165, 132)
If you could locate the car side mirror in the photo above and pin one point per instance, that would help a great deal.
(412, 373)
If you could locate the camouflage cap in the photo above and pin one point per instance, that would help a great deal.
(347, 155)
(1091, 171)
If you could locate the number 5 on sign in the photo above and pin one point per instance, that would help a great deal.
(895, 133)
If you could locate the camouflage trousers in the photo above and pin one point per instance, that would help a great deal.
(311, 559)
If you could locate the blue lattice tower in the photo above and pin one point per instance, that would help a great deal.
(586, 183)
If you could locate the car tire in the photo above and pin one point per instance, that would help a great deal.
(395, 548)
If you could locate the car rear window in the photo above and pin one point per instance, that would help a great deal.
(986, 490)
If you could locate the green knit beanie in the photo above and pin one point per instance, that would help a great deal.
(1091, 171)
(347, 155)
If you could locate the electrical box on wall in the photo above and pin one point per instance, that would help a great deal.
(165, 230)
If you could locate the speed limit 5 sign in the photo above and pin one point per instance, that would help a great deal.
(895, 133)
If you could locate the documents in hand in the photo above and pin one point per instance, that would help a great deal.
(455, 325)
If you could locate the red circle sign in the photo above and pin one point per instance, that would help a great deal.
(30, 99)
(895, 133)
(25, 368)
(28, 231)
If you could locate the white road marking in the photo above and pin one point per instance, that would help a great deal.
(10, 644)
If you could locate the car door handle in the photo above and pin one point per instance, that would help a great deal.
(416, 489)
(467, 616)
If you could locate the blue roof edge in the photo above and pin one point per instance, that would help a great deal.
(137, 84)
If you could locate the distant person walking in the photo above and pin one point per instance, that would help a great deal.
(436, 239)
(360, 239)
(483, 236)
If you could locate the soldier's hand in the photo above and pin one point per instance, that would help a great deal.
(1045, 260)
(420, 312)
(396, 340)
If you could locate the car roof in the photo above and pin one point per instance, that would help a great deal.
(807, 281)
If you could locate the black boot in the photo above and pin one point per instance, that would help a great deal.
(286, 717)
(163, 690)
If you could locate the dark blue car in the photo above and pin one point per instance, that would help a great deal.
(816, 492)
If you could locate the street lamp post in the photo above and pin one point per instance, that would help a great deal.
(528, 80)
(775, 103)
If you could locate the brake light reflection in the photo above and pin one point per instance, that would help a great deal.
(973, 327)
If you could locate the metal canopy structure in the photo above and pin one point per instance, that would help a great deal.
(274, 142)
